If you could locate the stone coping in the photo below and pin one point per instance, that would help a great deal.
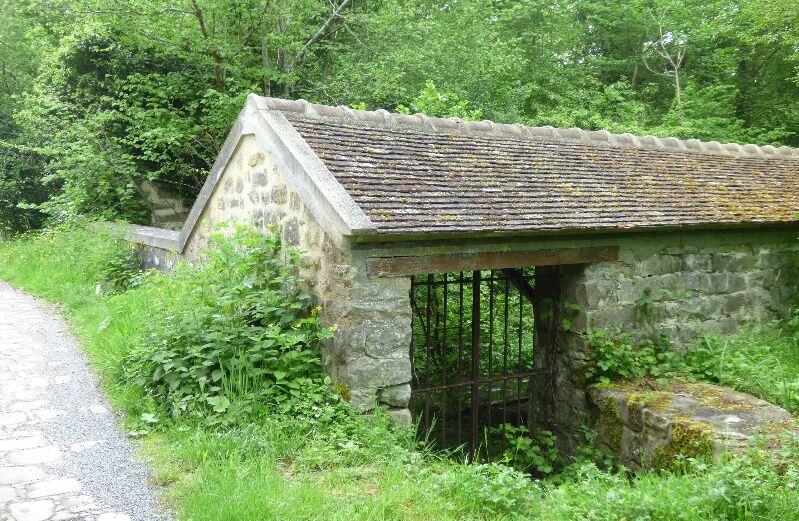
(147, 235)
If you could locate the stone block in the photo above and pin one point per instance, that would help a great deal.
(633, 289)
(735, 282)
(395, 395)
(696, 262)
(291, 232)
(39, 510)
(401, 417)
(721, 326)
(658, 265)
(369, 373)
(591, 294)
(388, 338)
(256, 159)
(294, 202)
(279, 194)
(623, 316)
(737, 301)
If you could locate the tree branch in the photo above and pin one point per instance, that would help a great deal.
(320, 33)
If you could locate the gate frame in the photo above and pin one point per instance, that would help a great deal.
(544, 347)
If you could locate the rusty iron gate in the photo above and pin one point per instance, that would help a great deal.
(482, 358)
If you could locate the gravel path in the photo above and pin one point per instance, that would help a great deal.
(62, 455)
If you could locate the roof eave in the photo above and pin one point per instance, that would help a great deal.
(376, 237)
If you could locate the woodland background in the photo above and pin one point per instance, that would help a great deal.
(98, 96)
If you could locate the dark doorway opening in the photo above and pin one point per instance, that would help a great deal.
(483, 356)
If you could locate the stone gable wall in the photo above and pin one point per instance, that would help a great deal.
(684, 289)
(368, 354)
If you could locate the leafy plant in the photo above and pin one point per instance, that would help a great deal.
(529, 452)
(234, 334)
(616, 356)
(120, 271)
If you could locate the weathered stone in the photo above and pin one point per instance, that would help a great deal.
(13, 475)
(11, 418)
(366, 375)
(22, 442)
(680, 419)
(256, 159)
(291, 232)
(401, 417)
(34, 456)
(279, 194)
(260, 179)
(7, 494)
(395, 395)
(53, 487)
(32, 510)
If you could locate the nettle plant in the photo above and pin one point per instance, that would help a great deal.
(616, 355)
(235, 334)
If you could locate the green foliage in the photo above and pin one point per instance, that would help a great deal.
(329, 462)
(433, 102)
(615, 355)
(97, 97)
(498, 489)
(236, 332)
(121, 269)
(529, 452)
(762, 361)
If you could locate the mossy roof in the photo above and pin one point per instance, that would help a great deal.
(414, 174)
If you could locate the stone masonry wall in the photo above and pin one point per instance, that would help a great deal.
(683, 289)
(159, 259)
(367, 357)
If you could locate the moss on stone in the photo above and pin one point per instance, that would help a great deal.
(343, 391)
(689, 439)
(716, 397)
(610, 424)
(657, 401)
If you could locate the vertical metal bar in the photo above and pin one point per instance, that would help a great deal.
(460, 358)
(429, 325)
(519, 362)
(476, 278)
(505, 364)
(444, 366)
(490, 384)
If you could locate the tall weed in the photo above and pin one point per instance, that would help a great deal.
(236, 333)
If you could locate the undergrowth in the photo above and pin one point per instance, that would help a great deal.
(216, 369)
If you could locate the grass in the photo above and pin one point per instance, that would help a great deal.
(280, 467)
(763, 361)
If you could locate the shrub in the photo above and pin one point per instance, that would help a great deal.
(763, 361)
(234, 333)
(529, 452)
(120, 269)
(616, 356)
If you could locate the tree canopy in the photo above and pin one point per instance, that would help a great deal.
(97, 96)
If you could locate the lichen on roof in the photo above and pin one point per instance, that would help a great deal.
(414, 174)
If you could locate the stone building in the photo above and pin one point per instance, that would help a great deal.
(640, 233)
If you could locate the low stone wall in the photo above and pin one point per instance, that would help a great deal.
(157, 247)
(647, 425)
(153, 258)
(682, 287)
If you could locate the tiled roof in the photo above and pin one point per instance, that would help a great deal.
(413, 174)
